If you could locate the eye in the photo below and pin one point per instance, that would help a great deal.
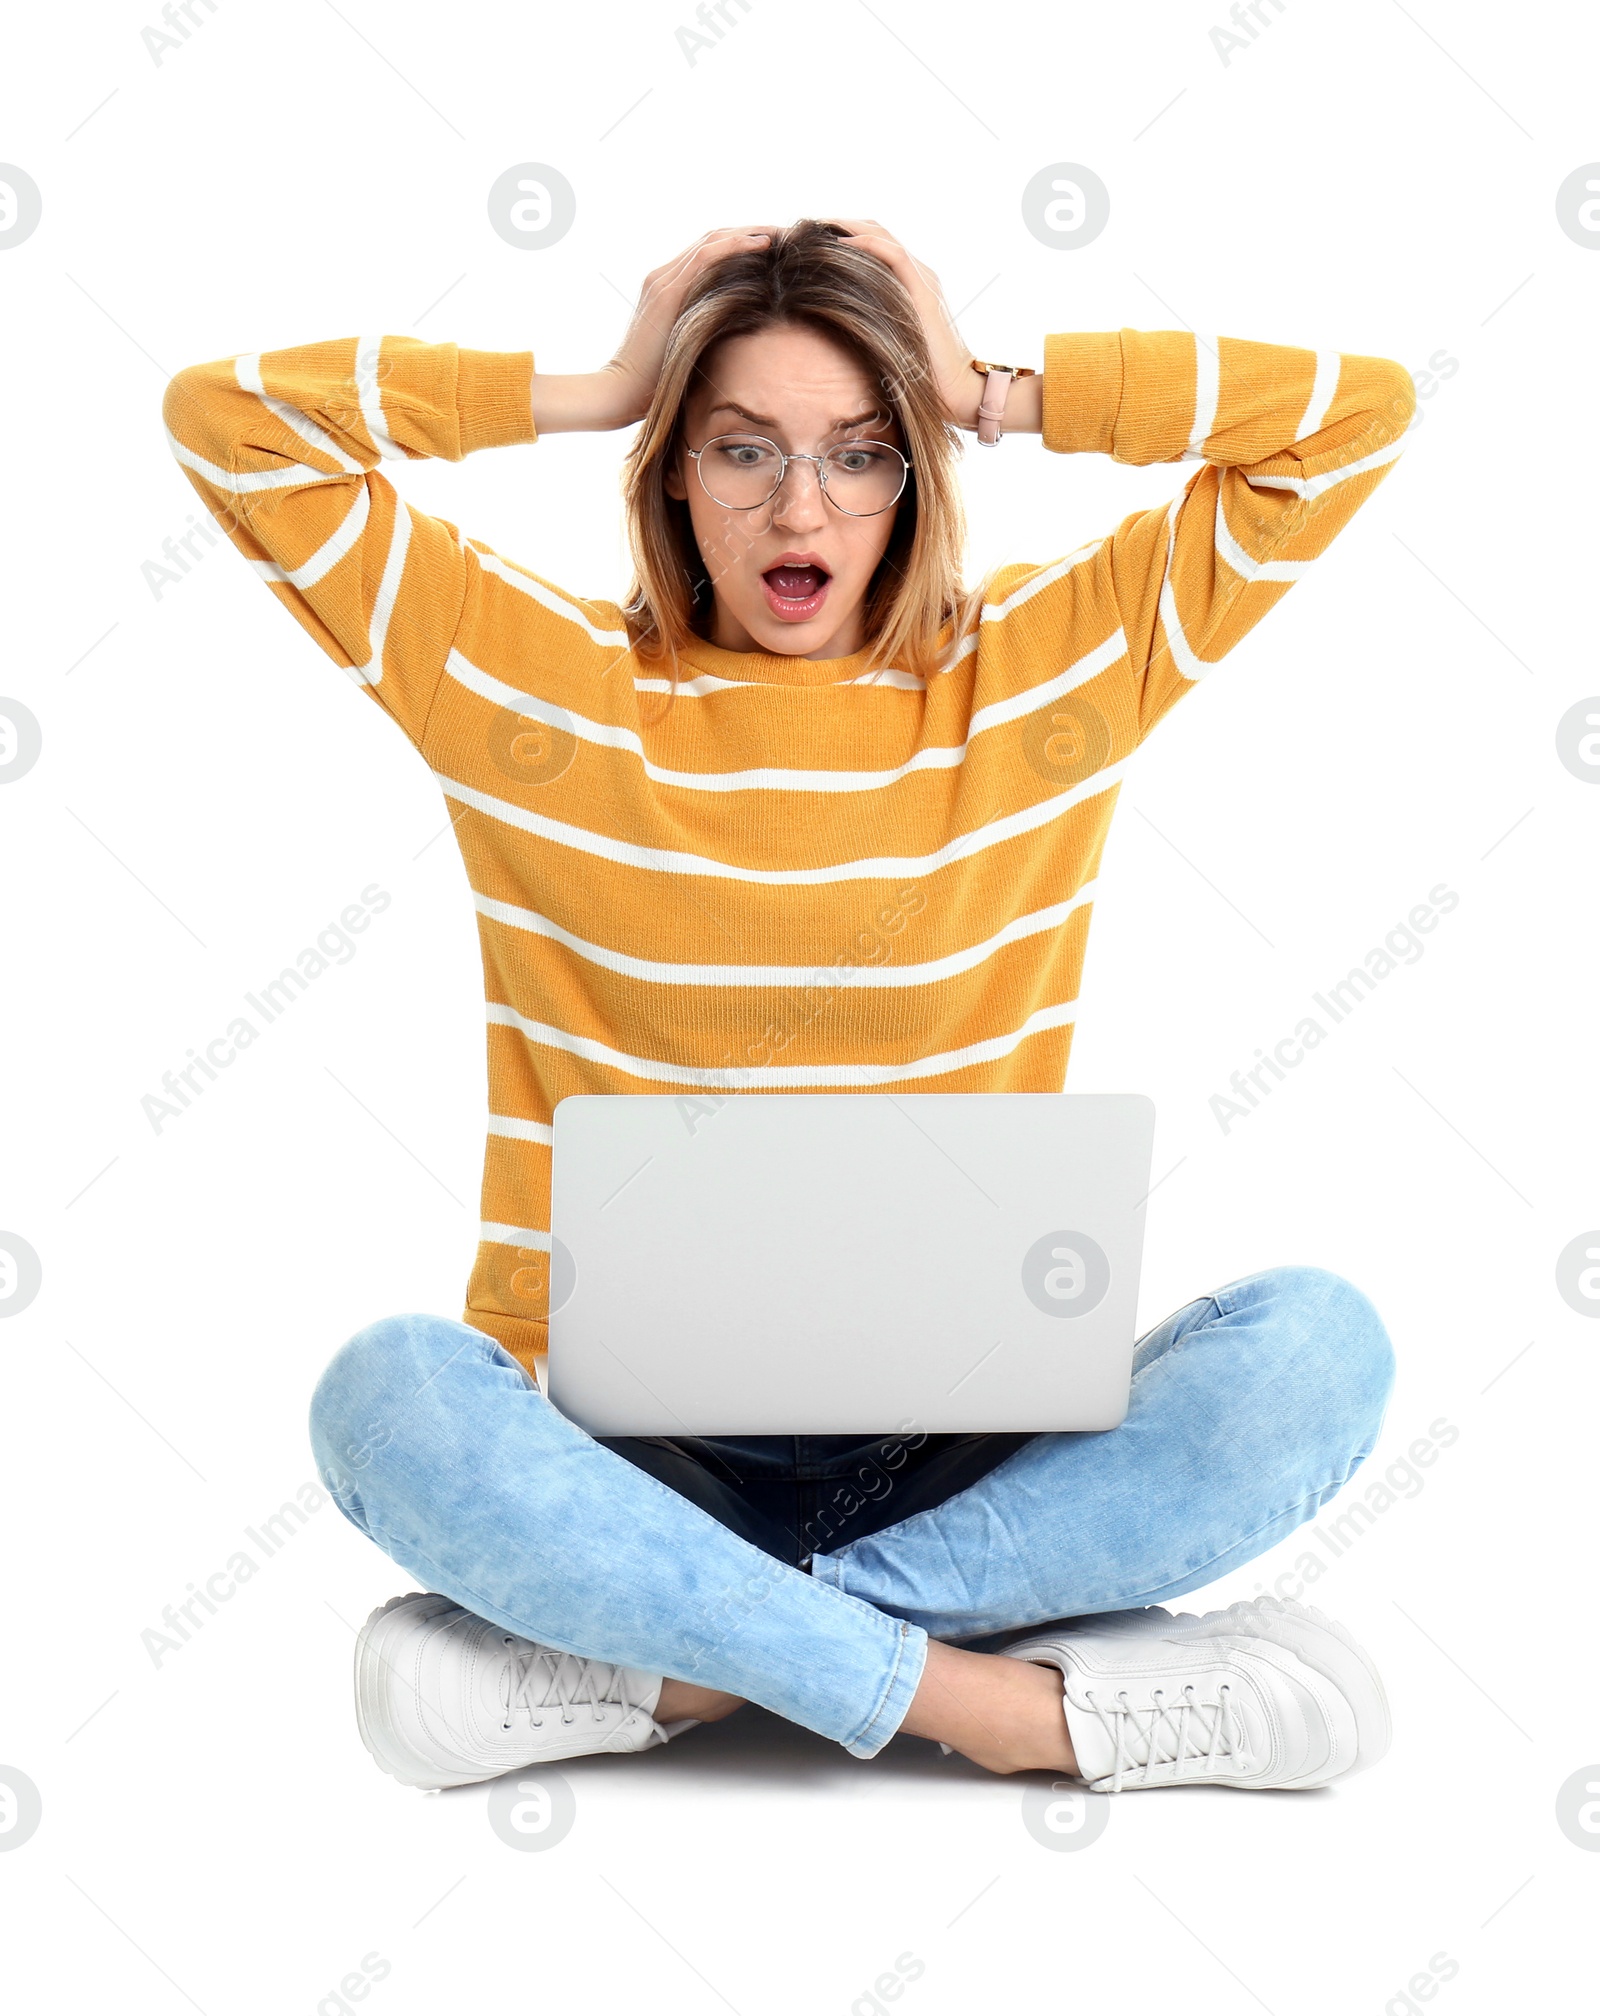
(856, 457)
(734, 451)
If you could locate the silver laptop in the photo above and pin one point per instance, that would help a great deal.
(846, 1263)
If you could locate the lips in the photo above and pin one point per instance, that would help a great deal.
(795, 590)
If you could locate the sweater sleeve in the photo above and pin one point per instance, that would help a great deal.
(1293, 442)
(284, 448)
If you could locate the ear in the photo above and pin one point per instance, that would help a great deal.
(672, 478)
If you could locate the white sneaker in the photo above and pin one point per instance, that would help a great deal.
(1262, 1695)
(447, 1698)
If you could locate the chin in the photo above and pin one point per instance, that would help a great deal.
(792, 640)
(787, 644)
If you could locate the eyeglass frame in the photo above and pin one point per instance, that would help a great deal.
(784, 460)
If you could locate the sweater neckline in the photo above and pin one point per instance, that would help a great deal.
(774, 668)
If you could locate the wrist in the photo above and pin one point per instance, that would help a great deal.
(1006, 399)
(965, 398)
(621, 397)
(578, 402)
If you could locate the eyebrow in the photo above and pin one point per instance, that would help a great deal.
(875, 416)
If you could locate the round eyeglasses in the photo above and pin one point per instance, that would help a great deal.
(742, 471)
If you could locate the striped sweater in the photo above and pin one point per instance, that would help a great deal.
(788, 874)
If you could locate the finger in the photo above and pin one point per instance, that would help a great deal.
(732, 235)
(672, 278)
(883, 245)
(712, 242)
(886, 249)
(733, 241)
(718, 244)
(707, 256)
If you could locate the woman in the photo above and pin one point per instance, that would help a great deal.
(800, 750)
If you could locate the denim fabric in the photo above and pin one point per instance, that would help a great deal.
(796, 1495)
(1250, 1408)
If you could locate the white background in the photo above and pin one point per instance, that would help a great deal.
(212, 792)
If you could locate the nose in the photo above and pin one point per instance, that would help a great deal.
(799, 501)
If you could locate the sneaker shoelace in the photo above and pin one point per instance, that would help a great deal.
(1176, 1735)
(537, 1678)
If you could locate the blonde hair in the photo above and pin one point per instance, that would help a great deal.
(806, 275)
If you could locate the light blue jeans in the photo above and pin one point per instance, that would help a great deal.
(1250, 1408)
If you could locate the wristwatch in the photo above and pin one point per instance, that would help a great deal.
(997, 383)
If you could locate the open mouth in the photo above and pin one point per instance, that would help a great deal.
(795, 593)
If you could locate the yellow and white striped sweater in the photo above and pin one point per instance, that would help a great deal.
(796, 875)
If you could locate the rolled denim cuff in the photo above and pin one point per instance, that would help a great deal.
(911, 1655)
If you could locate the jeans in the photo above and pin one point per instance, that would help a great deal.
(1250, 1408)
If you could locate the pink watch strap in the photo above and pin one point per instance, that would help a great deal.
(996, 384)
